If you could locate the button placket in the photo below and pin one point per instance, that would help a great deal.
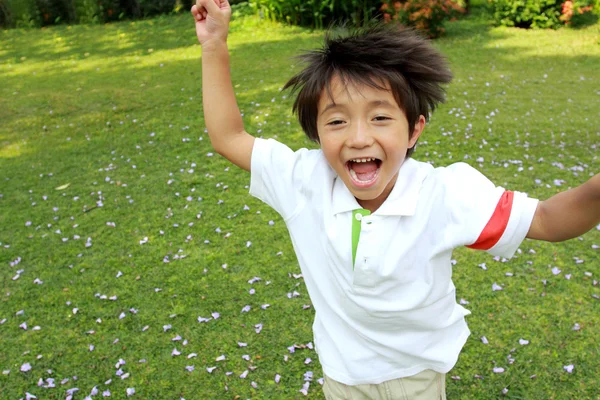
(366, 248)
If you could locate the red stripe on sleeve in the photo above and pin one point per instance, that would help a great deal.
(496, 226)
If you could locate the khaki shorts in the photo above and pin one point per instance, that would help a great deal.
(426, 385)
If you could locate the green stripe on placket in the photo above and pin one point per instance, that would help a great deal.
(356, 225)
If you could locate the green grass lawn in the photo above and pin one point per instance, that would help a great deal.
(104, 280)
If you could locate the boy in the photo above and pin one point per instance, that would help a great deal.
(373, 229)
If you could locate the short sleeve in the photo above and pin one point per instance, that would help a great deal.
(278, 174)
(483, 216)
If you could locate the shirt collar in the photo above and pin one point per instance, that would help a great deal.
(402, 200)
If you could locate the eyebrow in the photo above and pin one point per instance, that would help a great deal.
(374, 103)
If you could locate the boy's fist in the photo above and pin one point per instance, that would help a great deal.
(212, 20)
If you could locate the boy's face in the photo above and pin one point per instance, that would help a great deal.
(364, 136)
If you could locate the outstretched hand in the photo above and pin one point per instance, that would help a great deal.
(212, 20)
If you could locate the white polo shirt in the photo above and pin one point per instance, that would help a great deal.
(393, 313)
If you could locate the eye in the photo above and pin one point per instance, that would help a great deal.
(336, 122)
(381, 118)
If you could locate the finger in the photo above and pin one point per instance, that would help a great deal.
(211, 6)
(197, 13)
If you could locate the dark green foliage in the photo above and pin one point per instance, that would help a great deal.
(55, 11)
(584, 19)
(318, 13)
(32, 13)
(155, 7)
(528, 13)
(19, 13)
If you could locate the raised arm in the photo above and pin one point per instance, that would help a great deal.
(569, 214)
(221, 112)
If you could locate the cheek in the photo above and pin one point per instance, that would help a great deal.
(331, 150)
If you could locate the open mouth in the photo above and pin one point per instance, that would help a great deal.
(363, 171)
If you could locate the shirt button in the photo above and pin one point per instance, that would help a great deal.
(358, 217)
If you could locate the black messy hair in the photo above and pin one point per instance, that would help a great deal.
(374, 56)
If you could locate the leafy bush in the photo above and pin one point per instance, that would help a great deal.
(317, 13)
(528, 13)
(87, 11)
(428, 16)
(155, 7)
(55, 11)
(579, 13)
(19, 13)
(48, 12)
(241, 9)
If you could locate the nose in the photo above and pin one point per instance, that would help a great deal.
(359, 136)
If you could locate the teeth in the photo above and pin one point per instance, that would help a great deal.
(359, 160)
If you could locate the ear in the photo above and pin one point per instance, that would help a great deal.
(416, 133)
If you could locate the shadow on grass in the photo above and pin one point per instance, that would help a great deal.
(109, 40)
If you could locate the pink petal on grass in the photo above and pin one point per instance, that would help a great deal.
(569, 368)
(25, 367)
(498, 370)
(523, 342)
(277, 378)
(496, 287)
(304, 389)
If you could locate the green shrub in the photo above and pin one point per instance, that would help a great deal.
(241, 9)
(427, 16)
(528, 13)
(317, 13)
(88, 11)
(580, 13)
(19, 13)
(55, 11)
(155, 7)
(31, 13)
